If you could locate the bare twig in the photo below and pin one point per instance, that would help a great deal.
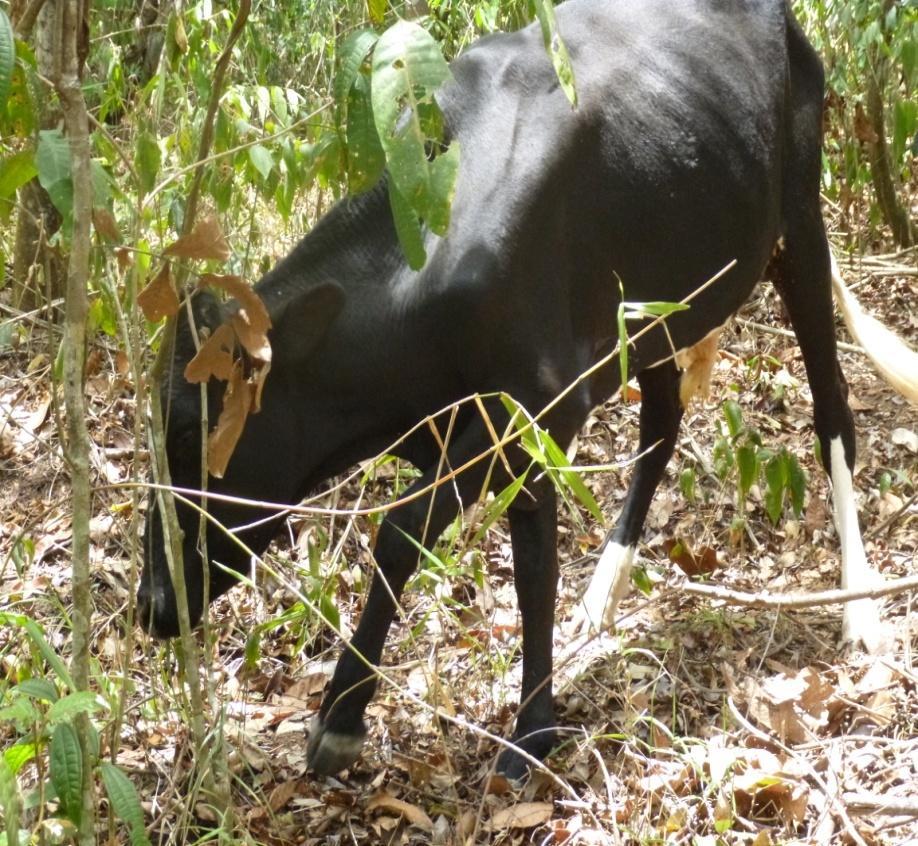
(786, 333)
(866, 803)
(766, 599)
(875, 530)
(27, 19)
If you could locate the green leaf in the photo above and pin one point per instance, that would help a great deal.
(261, 160)
(22, 712)
(558, 462)
(747, 462)
(408, 68)
(352, 54)
(7, 58)
(330, 610)
(38, 689)
(67, 770)
(556, 49)
(15, 171)
(18, 755)
(124, 801)
(35, 633)
(722, 458)
(147, 160)
(52, 159)
(81, 702)
(498, 507)
(622, 342)
(734, 417)
(775, 481)
(443, 171)
(365, 156)
(905, 124)
(641, 580)
(376, 10)
(408, 228)
(796, 480)
(655, 308)
(687, 483)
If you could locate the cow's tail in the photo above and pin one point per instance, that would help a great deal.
(896, 362)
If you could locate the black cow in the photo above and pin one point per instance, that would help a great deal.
(696, 143)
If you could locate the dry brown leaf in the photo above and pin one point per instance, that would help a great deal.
(237, 402)
(691, 563)
(412, 813)
(215, 358)
(792, 706)
(282, 794)
(863, 128)
(251, 321)
(103, 222)
(158, 299)
(205, 241)
(523, 815)
(125, 258)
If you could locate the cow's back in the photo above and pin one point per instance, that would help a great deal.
(667, 169)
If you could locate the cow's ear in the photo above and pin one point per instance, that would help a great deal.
(304, 319)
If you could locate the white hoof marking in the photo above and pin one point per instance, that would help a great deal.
(610, 583)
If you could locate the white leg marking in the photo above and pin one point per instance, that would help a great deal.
(611, 581)
(861, 620)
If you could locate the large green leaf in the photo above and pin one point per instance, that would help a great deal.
(81, 702)
(53, 161)
(352, 53)
(147, 159)
(15, 171)
(38, 689)
(124, 801)
(7, 59)
(365, 157)
(408, 68)
(67, 770)
(18, 755)
(408, 228)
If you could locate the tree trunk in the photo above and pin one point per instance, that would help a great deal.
(38, 269)
(894, 213)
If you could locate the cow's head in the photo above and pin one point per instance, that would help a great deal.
(264, 464)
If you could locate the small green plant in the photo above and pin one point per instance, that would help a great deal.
(42, 712)
(740, 451)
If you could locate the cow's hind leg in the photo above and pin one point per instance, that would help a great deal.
(534, 536)
(338, 732)
(661, 412)
(801, 272)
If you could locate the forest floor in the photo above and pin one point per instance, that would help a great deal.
(696, 722)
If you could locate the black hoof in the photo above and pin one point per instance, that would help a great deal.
(514, 766)
(329, 752)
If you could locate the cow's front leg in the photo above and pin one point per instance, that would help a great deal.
(338, 732)
(534, 535)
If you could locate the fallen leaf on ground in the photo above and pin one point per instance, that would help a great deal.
(412, 813)
(523, 815)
